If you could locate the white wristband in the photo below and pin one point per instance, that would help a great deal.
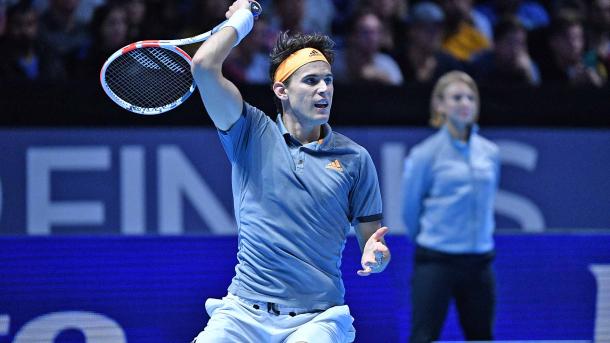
(242, 21)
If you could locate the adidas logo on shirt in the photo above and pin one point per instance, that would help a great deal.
(335, 165)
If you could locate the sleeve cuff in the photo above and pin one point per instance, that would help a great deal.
(371, 218)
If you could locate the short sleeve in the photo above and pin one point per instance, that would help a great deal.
(365, 200)
(236, 140)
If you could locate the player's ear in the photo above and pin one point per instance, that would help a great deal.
(279, 88)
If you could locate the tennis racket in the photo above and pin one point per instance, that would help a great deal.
(153, 76)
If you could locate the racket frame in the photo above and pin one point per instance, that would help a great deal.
(148, 44)
(171, 45)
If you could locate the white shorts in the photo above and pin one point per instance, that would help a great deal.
(235, 319)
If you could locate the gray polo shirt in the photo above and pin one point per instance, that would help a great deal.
(294, 205)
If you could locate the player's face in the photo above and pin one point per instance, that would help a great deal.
(310, 93)
(459, 104)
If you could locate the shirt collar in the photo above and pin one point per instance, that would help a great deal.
(458, 143)
(325, 143)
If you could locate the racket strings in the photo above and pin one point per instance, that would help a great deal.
(149, 77)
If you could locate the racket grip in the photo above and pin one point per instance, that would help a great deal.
(255, 8)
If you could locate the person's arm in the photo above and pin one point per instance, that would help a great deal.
(414, 187)
(375, 253)
(221, 98)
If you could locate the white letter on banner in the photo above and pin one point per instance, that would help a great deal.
(133, 194)
(177, 176)
(42, 213)
(392, 162)
(5, 324)
(602, 313)
(95, 327)
(517, 207)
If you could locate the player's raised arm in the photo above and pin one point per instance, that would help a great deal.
(220, 96)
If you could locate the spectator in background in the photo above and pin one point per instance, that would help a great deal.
(288, 15)
(569, 8)
(509, 63)
(467, 32)
(567, 64)
(109, 32)
(206, 14)
(83, 12)
(86, 8)
(362, 59)
(538, 39)
(2, 18)
(300, 15)
(344, 9)
(203, 16)
(531, 14)
(138, 27)
(392, 14)
(248, 62)
(23, 56)
(62, 33)
(449, 185)
(165, 18)
(318, 16)
(599, 36)
(422, 60)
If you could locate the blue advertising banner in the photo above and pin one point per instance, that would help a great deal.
(120, 289)
(177, 181)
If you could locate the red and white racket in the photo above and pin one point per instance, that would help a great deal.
(153, 76)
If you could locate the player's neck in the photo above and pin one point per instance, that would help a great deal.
(300, 131)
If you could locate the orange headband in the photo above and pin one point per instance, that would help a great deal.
(296, 61)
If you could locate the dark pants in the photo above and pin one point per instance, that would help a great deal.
(438, 278)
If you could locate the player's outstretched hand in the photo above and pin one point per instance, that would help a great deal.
(376, 255)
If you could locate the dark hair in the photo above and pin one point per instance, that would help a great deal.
(100, 14)
(18, 8)
(287, 44)
(507, 25)
(562, 23)
(354, 18)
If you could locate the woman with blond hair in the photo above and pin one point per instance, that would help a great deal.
(449, 184)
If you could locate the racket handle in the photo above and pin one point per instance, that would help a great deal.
(255, 8)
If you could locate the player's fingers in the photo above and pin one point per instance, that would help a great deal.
(381, 248)
(234, 7)
(368, 260)
(365, 272)
(374, 256)
(378, 235)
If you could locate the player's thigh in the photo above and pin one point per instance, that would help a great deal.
(221, 328)
(331, 326)
(229, 322)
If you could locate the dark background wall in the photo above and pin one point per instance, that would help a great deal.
(78, 103)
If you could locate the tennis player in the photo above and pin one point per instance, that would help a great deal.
(297, 188)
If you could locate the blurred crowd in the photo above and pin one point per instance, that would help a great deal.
(392, 42)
